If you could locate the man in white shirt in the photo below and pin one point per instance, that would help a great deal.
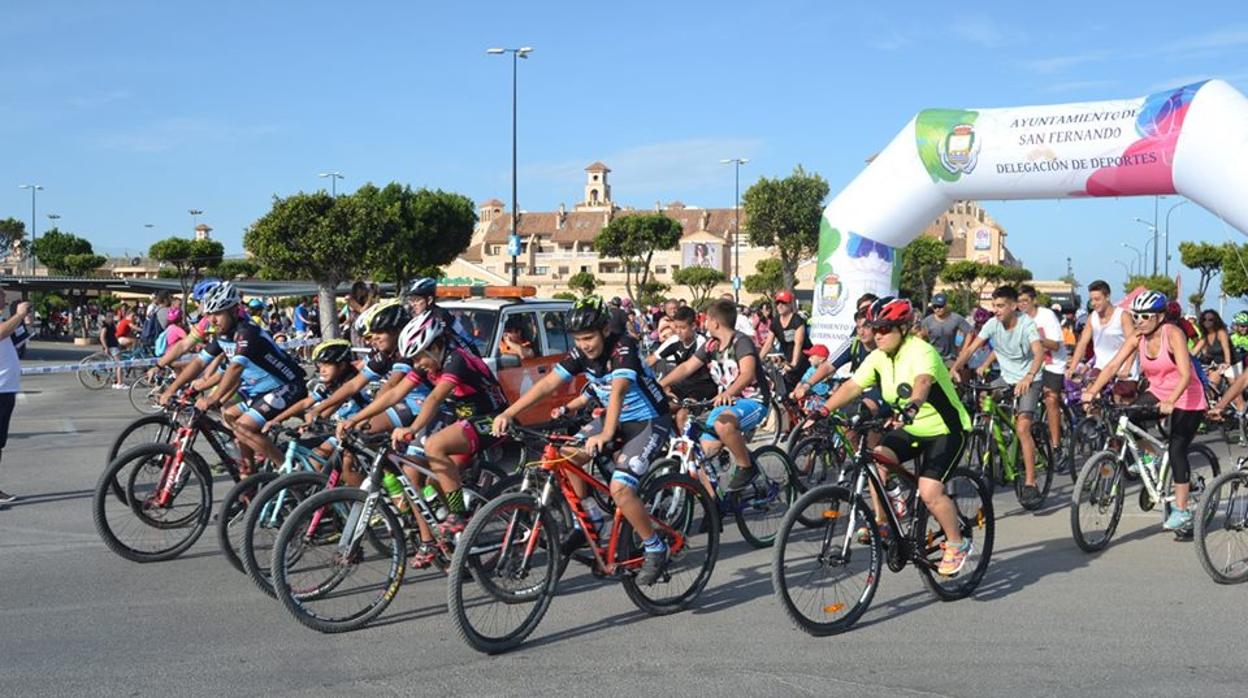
(743, 325)
(1054, 373)
(10, 375)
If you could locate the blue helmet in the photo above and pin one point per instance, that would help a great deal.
(255, 304)
(203, 287)
(1149, 302)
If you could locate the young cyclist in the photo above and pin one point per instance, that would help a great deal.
(743, 394)
(395, 404)
(938, 424)
(422, 297)
(817, 355)
(683, 342)
(636, 414)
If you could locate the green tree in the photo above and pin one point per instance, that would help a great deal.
(1206, 259)
(701, 281)
(319, 237)
(962, 276)
(1235, 270)
(234, 269)
(784, 214)
(634, 239)
(1160, 283)
(11, 231)
(81, 264)
(564, 296)
(769, 278)
(188, 258)
(54, 248)
(583, 281)
(652, 293)
(415, 232)
(921, 262)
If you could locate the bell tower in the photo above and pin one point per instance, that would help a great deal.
(597, 190)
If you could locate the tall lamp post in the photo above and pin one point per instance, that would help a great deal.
(1184, 201)
(514, 242)
(1139, 256)
(736, 225)
(333, 181)
(1153, 228)
(195, 214)
(34, 189)
(1125, 267)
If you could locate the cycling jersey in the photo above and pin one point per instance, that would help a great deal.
(724, 363)
(381, 366)
(643, 400)
(942, 412)
(265, 366)
(475, 391)
(675, 353)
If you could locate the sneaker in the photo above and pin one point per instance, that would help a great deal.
(1031, 495)
(451, 526)
(741, 478)
(1179, 519)
(954, 557)
(424, 555)
(574, 542)
(864, 534)
(120, 386)
(652, 566)
(6, 498)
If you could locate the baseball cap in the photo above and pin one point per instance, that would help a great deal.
(784, 297)
(817, 350)
(939, 300)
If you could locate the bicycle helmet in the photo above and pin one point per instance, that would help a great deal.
(890, 312)
(174, 315)
(255, 304)
(588, 313)
(981, 316)
(1241, 318)
(423, 287)
(1149, 302)
(334, 351)
(418, 334)
(204, 287)
(386, 316)
(224, 296)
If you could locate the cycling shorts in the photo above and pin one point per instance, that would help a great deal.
(749, 413)
(404, 413)
(261, 408)
(940, 454)
(477, 430)
(641, 442)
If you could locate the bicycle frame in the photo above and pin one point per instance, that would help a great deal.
(298, 457)
(999, 422)
(1156, 476)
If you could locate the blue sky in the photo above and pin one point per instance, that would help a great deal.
(132, 112)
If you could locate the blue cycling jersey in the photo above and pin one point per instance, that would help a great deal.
(266, 367)
(619, 359)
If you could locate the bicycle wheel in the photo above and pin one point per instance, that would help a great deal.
(1044, 467)
(150, 525)
(153, 429)
(503, 573)
(979, 457)
(1089, 438)
(323, 572)
(231, 519)
(688, 522)
(91, 375)
(268, 511)
(761, 506)
(143, 394)
(815, 462)
(1096, 504)
(1221, 529)
(825, 577)
(976, 522)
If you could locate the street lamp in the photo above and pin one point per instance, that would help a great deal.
(1153, 228)
(1125, 267)
(54, 217)
(1139, 256)
(34, 188)
(736, 225)
(1184, 201)
(514, 241)
(195, 214)
(333, 181)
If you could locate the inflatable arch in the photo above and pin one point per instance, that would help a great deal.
(1192, 141)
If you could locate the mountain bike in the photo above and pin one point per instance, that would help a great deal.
(822, 451)
(504, 573)
(1221, 527)
(994, 450)
(825, 575)
(145, 391)
(94, 373)
(1096, 505)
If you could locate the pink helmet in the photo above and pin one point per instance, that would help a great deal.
(174, 316)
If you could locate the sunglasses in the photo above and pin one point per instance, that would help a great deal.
(1141, 317)
(886, 329)
(782, 302)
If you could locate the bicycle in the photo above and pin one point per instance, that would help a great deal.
(822, 452)
(818, 551)
(994, 450)
(757, 510)
(504, 570)
(94, 374)
(1221, 527)
(1096, 505)
(145, 392)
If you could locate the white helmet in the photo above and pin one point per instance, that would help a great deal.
(418, 334)
(221, 297)
(1149, 302)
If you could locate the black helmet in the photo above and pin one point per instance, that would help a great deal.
(334, 351)
(424, 287)
(589, 313)
(387, 316)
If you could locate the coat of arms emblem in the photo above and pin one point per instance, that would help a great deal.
(959, 151)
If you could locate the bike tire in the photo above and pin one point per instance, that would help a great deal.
(762, 506)
(1044, 468)
(976, 520)
(1097, 501)
(979, 457)
(93, 378)
(140, 432)
(488, 556)
(1223, 513)
(264, 520)
(815, 462)
(143, 392)
(232, 516)
(687, 519)
(1089, 437)
(801, 553)
(336, 507)
(196, 521)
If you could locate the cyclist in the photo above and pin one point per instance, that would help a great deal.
(269, 378)
(944, 329)
(1214, 348)
(790, 336)
(422, 297)
(1239, 334)
(1107, 329)
(197, 335)
(1053, 380)
(636, 414)
(1172, 383)
(108, 340)
(743, 393)
(396, 404)
(1020, 354)
(683, 343)
(938, 421)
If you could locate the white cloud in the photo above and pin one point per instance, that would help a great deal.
(981, 31)
(169, 134)
(1228, 38)
(98, 99)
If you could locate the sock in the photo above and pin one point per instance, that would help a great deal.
(654, 544)
(594, 513)
(455, 501)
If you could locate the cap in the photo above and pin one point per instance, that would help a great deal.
(785, 297)
(939, 300)
(817, 350)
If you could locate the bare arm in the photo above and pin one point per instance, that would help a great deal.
(547, 385)
(681, 372)
(19, 316)
(843, 395)
(968, 348)
(1080, 347)
(1124, 353)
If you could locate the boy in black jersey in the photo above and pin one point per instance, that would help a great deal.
(683, 343)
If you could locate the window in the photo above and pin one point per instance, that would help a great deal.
(556, 335)
(584, 267)
(478, 324)
(563, 270)
(539, 271)
(660, 270)
(496, 249)
(525, 322)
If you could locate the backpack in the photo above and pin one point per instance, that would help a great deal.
(151, 330)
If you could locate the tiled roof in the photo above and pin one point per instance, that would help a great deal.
(491, 203)
(597, 166)
(583, 226)
(472, 254)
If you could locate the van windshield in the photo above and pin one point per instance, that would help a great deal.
(478, 324)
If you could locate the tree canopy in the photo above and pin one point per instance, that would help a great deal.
(583, 281)
(768, 279)
(417, 231)
(921, 263)
(1161, 283)
(634, 239)
(783, 214)
(1206, 259)
(701, 281)
(188, 257)
(66, 254)
(11, 230)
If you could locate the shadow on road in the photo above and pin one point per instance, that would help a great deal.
(53, 497)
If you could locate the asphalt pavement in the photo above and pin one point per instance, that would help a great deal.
(1139, 619)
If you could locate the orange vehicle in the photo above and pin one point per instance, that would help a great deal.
(537, 324)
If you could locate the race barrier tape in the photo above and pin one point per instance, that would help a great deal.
(129, 363)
